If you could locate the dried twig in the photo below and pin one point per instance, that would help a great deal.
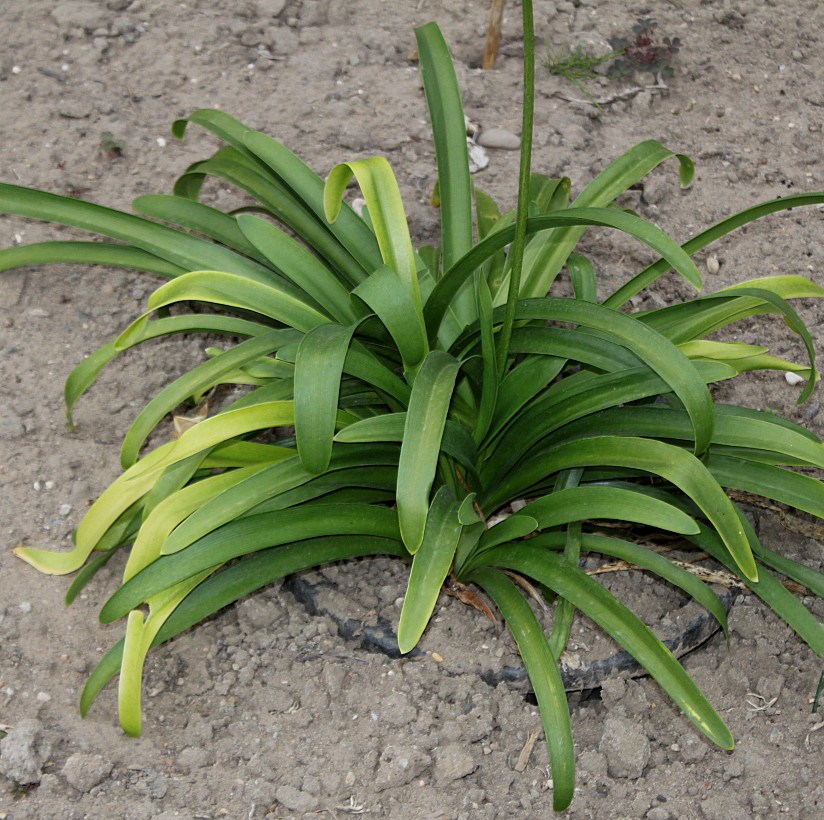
(493, 34)
(523, 757)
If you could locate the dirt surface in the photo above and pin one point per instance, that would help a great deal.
(266, 711)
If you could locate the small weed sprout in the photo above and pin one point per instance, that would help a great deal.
(111, 147)
(576, 67)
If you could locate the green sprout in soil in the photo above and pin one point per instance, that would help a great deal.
(577, 67)
(401, 400)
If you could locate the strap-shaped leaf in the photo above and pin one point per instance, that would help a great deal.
(239, 579)
(453, 279)
(582, 276)
(752, 430)
(174, 509)
(197, 216)
(456, 441)
(383, 199)
(246, 535)
(179, 248)
(544, 676)
(265, 485)
(657, 458)
(296, 263)
(349, 228)
(785, 486)
(273, 198)
(231, 290)
(223, 427)
(89, 253)
(430, 567)
(318, 370)
(769, 589)
(581, 503)
(575, 397)
(385, 294)
(665, 359)
(621, 624)
(701, 240)
(510, 529)
(190, 383)
(423, 430)
(646, 559)
(86, 371)
(619, 175)
(119, 496)
(443, 98)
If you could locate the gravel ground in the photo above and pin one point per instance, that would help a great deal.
(266, 711)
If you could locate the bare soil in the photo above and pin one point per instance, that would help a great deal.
(266, 711)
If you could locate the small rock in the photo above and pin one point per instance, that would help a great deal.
(193, 758)
(295, 800)
(269, 8)
(23, 751)
(658, 813)
(499, 138)
(625, 747)
(713, 265)
(84, 771)
(281, 41)
(693, 748)
(152, 783)
(793, 379)
(399, 765)
(452, 762)
(87, 16)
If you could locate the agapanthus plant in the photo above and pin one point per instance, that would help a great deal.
(428, 389)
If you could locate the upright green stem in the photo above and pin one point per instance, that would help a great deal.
(519, 242)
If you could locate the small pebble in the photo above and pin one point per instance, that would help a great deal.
(161, 141)
(499, 138)
(65, 509)
(793, 378)
(25, 607)
(713, 265)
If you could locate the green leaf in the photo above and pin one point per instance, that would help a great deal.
(242, 536)
(231, 290)
(394, 306)
(383, 199)
(443, 98)
(190, 383)
(589, 502)
(453, 279)
(622, 625)
(785, 486)
(177, 247)
(544, 676)
(318, 370)
(85, 372)
(425, 420)
(701, 240)
(350, 230)
(657, 458)
(88, 253)
(118, 497)
(582, 276)
(646, 559)
(511, 528)
(769, 589)
(291, 259)
(430, 567)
